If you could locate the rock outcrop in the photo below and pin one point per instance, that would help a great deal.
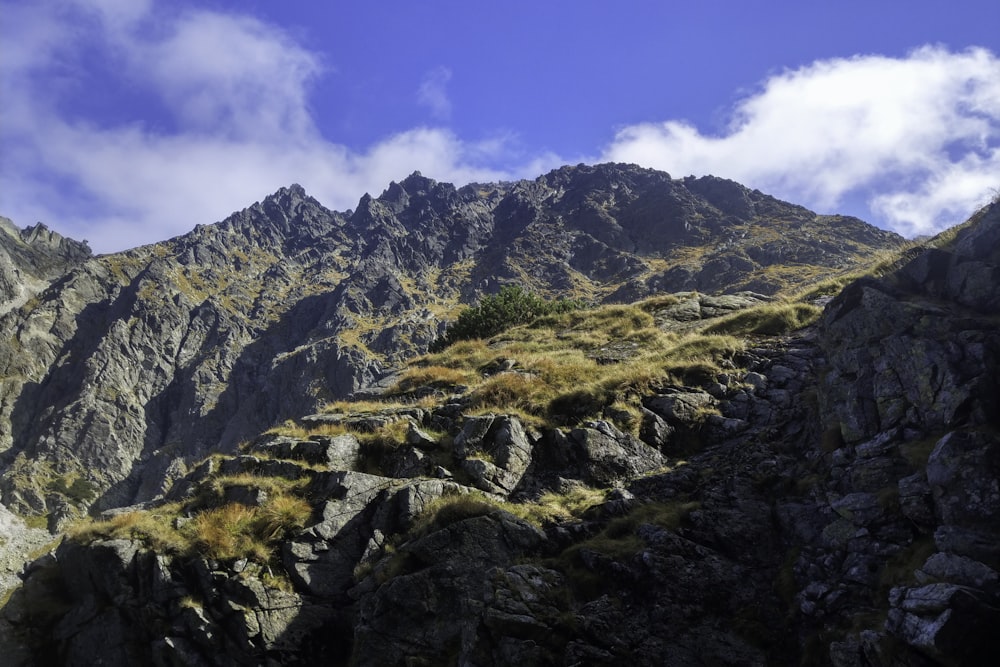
(30, 259)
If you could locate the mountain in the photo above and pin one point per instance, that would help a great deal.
(31, 258)
(127, 369)
(755, 436)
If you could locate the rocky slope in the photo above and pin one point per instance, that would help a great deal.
(130, 367)
(823, 496)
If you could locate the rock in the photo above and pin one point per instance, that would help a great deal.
(963, 472)
(605, 455)
(915, 499)
(474, 432)
(681, 408)
(448, 586)
(322, 558)
(247, 323)
(405, 462)
(945, 620)
(976, 544)
(654, 431)
(961, 570)
(343, 452)
(488, 477)
(418, 438)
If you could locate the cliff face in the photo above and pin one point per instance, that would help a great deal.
(130, 367)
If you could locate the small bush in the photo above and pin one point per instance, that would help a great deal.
(496, 313)
(76, 488)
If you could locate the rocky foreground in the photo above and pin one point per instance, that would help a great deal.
(827, 497)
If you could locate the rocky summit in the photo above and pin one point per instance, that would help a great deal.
(733, 432)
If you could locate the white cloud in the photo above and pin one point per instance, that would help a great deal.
(118, 13)
(230, 74)
(433, 93)
(238, 91)
(921, 131)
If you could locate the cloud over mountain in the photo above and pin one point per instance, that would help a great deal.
(130, 121)
(921, 134)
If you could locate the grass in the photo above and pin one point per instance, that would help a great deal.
(550, 507)
(561, 376)
(947, 237)
(238, 531)
(391, 436)
(214, 490)
(154, 528)
(449, 509)
(434, 377)
(368, 406)
(37, 521)
(876, 265)
(769, 319)
(225, 532)
(917, 452)
(654, 303)
(292, 429)
(517, 391)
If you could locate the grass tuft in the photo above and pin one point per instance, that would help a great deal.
(770, 319)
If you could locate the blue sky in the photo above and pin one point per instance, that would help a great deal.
(130, 121)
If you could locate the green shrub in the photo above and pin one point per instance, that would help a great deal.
(498, 312)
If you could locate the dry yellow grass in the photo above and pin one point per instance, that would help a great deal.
(293, 430)
(436, 377)
(225, 532)
(556, 375)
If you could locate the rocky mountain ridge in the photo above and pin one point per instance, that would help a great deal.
(128, 368)
(32, 257)
(822, 494)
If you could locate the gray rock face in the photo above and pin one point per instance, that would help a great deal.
(134, 365)
(30, 259)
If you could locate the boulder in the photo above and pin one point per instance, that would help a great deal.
(963, 472)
